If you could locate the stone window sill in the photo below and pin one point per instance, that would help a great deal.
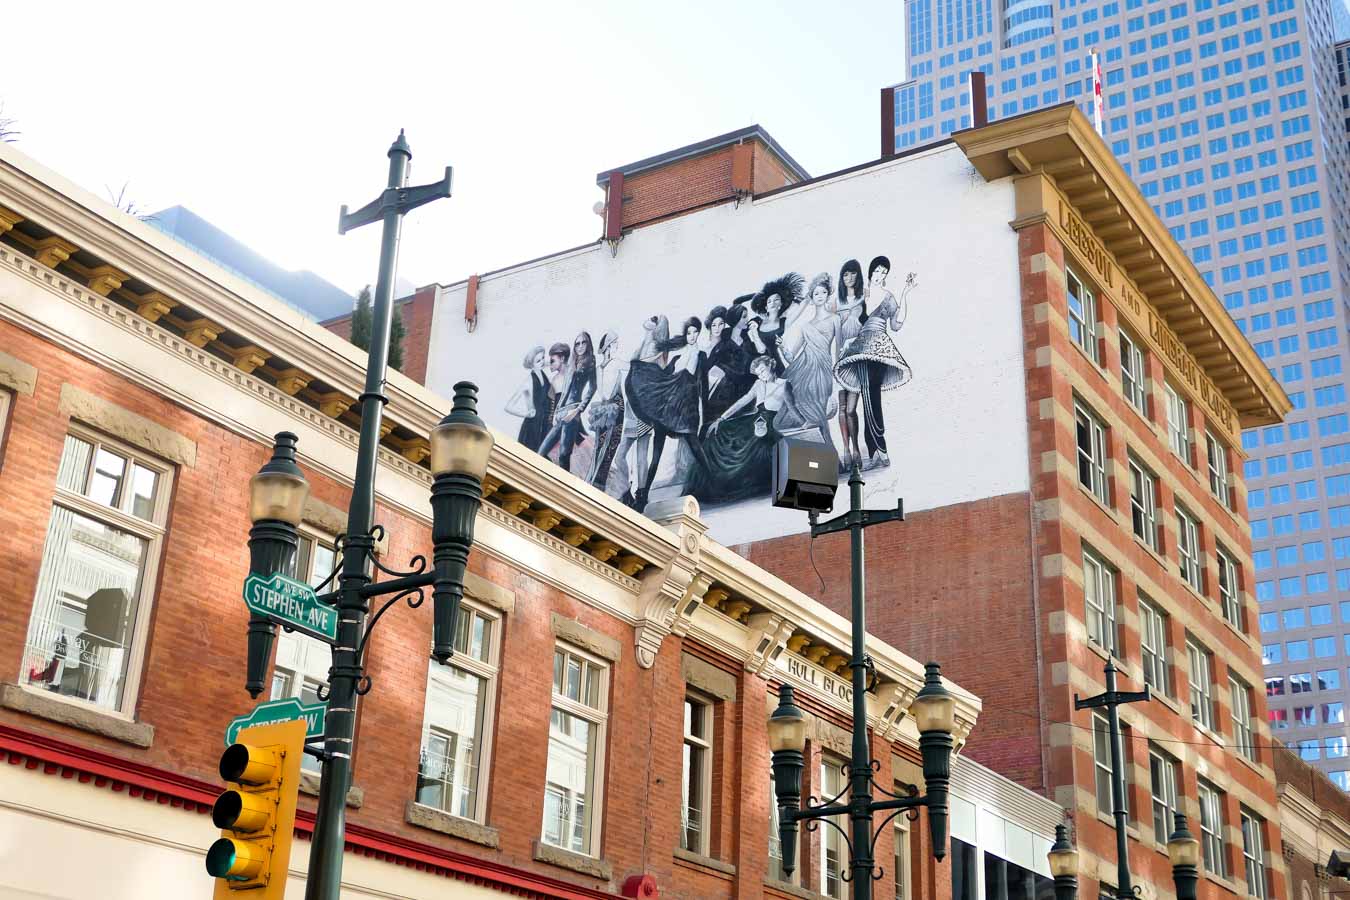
(48, 706)
(438, 820)
(792, 890)
(706, 862)
(309, 785)
(576, 862)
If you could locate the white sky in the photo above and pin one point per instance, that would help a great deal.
(265, 118)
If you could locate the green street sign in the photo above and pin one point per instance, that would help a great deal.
(291, 603)
(288, 709)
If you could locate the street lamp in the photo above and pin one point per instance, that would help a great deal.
(1184, 852)
(276, 501)
(1064, 865)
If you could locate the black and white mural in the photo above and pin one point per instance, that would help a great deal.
(709, 395)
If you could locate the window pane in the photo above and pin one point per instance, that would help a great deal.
(570, 776)
(74, 468)
(143, 483)
(105, 485)
(447, 776)
(79, 639)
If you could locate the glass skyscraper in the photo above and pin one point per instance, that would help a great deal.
(1232, 117)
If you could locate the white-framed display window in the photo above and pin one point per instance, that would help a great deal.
(458, 718)
(574, 788)
(901, 863)
(696, 785)
(90, 621)
(302, 662)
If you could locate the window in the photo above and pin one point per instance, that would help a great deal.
(1178, 429)
(1333, 713)
(1229, 596)
(833, 852)
(1082, 316)
(302, 661)
(1211, 827)
(697, 786)
(1153, 647)
(1099, 592)
(1188, 550)
(1091, 437)
(901, 864)
(1101, 755)
(1253, 854)
(1329, 680)
(575, 774)
(1201, 683)
(1162, 770)
(1241, 695)
(1133, 382)
(457, 724)
(86, 637)
(1217, 454)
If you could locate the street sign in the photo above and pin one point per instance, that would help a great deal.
(291, 603)
(288, 709)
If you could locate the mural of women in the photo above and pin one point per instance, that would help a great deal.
(637, 432)
(578, 388)
(772, 304)
(808, 345)
(605, 413)
(739, 448)
(871, 363)
(729, 357)
(533, 402)
(669, 398)
(850, 313)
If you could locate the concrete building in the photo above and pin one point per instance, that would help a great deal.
(139, 387)
(1229, 119)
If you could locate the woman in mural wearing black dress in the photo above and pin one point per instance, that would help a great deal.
(738, 450)
(729, 357)
(533, 402)
(772, 304)
(669, 398)
(578, 387)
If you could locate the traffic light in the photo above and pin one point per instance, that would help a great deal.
(257, 815)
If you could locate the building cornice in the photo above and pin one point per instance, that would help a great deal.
(1060, 143)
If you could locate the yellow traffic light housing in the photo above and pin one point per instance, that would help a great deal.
(257, 815)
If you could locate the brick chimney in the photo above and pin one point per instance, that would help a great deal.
(725, 168)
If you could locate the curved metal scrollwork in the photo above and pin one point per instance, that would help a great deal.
(418, 563)
(322, 692)
(370, 626)
(363, 685)
(814, 825)
(910, 790)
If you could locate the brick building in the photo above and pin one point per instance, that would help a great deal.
(1066, 439)
(1315, 821)
(603, 721)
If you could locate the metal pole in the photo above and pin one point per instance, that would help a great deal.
(330, 826)
(860, 766)
(1123, 886)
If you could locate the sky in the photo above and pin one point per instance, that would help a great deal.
(265, 118)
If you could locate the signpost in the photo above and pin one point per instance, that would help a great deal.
(288, 709)
(291, 604)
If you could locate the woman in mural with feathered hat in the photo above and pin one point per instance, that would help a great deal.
(808, 346)
(772, 304)
(871, 363)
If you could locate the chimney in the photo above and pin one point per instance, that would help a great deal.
(887, 122)
(979, 100)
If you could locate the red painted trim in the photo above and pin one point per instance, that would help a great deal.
(887, 122)
(979, 100)
(614, 207)
(171, 789)
(471, 303)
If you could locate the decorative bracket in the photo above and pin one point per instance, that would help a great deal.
(895, 700)
(768, 636)
(671, 593)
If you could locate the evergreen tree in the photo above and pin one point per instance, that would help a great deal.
(363, 322)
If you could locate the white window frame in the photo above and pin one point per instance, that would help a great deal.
(1241, 695)
(1211, 827)
(599, 719)
(1164, 795)
(1189, 559)
(1254, 853)
(1144, 504)
(1099, 599)
(1086, 320)
(902, 852)
(832, 781)
(1101, 762)
(1200, 675)
(1153, 646)
(1178, 423)
(1093, 457)
(1133, 377)
(152, 531)
(1216, 453)
(1229, 596)
(487, 670)
(698, 744)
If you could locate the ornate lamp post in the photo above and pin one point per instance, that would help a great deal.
(460, 447)
(1184, 852)
(1064, 865)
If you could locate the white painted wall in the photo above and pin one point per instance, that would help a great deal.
(957, 430)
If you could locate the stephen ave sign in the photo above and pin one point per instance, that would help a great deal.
(291, 603)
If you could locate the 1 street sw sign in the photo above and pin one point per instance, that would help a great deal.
(291, 603)
(287, 710)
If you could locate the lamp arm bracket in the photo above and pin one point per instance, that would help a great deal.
(901, 803)
(861, 518)
(412, 604)
(810, 812)
(411, 581)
